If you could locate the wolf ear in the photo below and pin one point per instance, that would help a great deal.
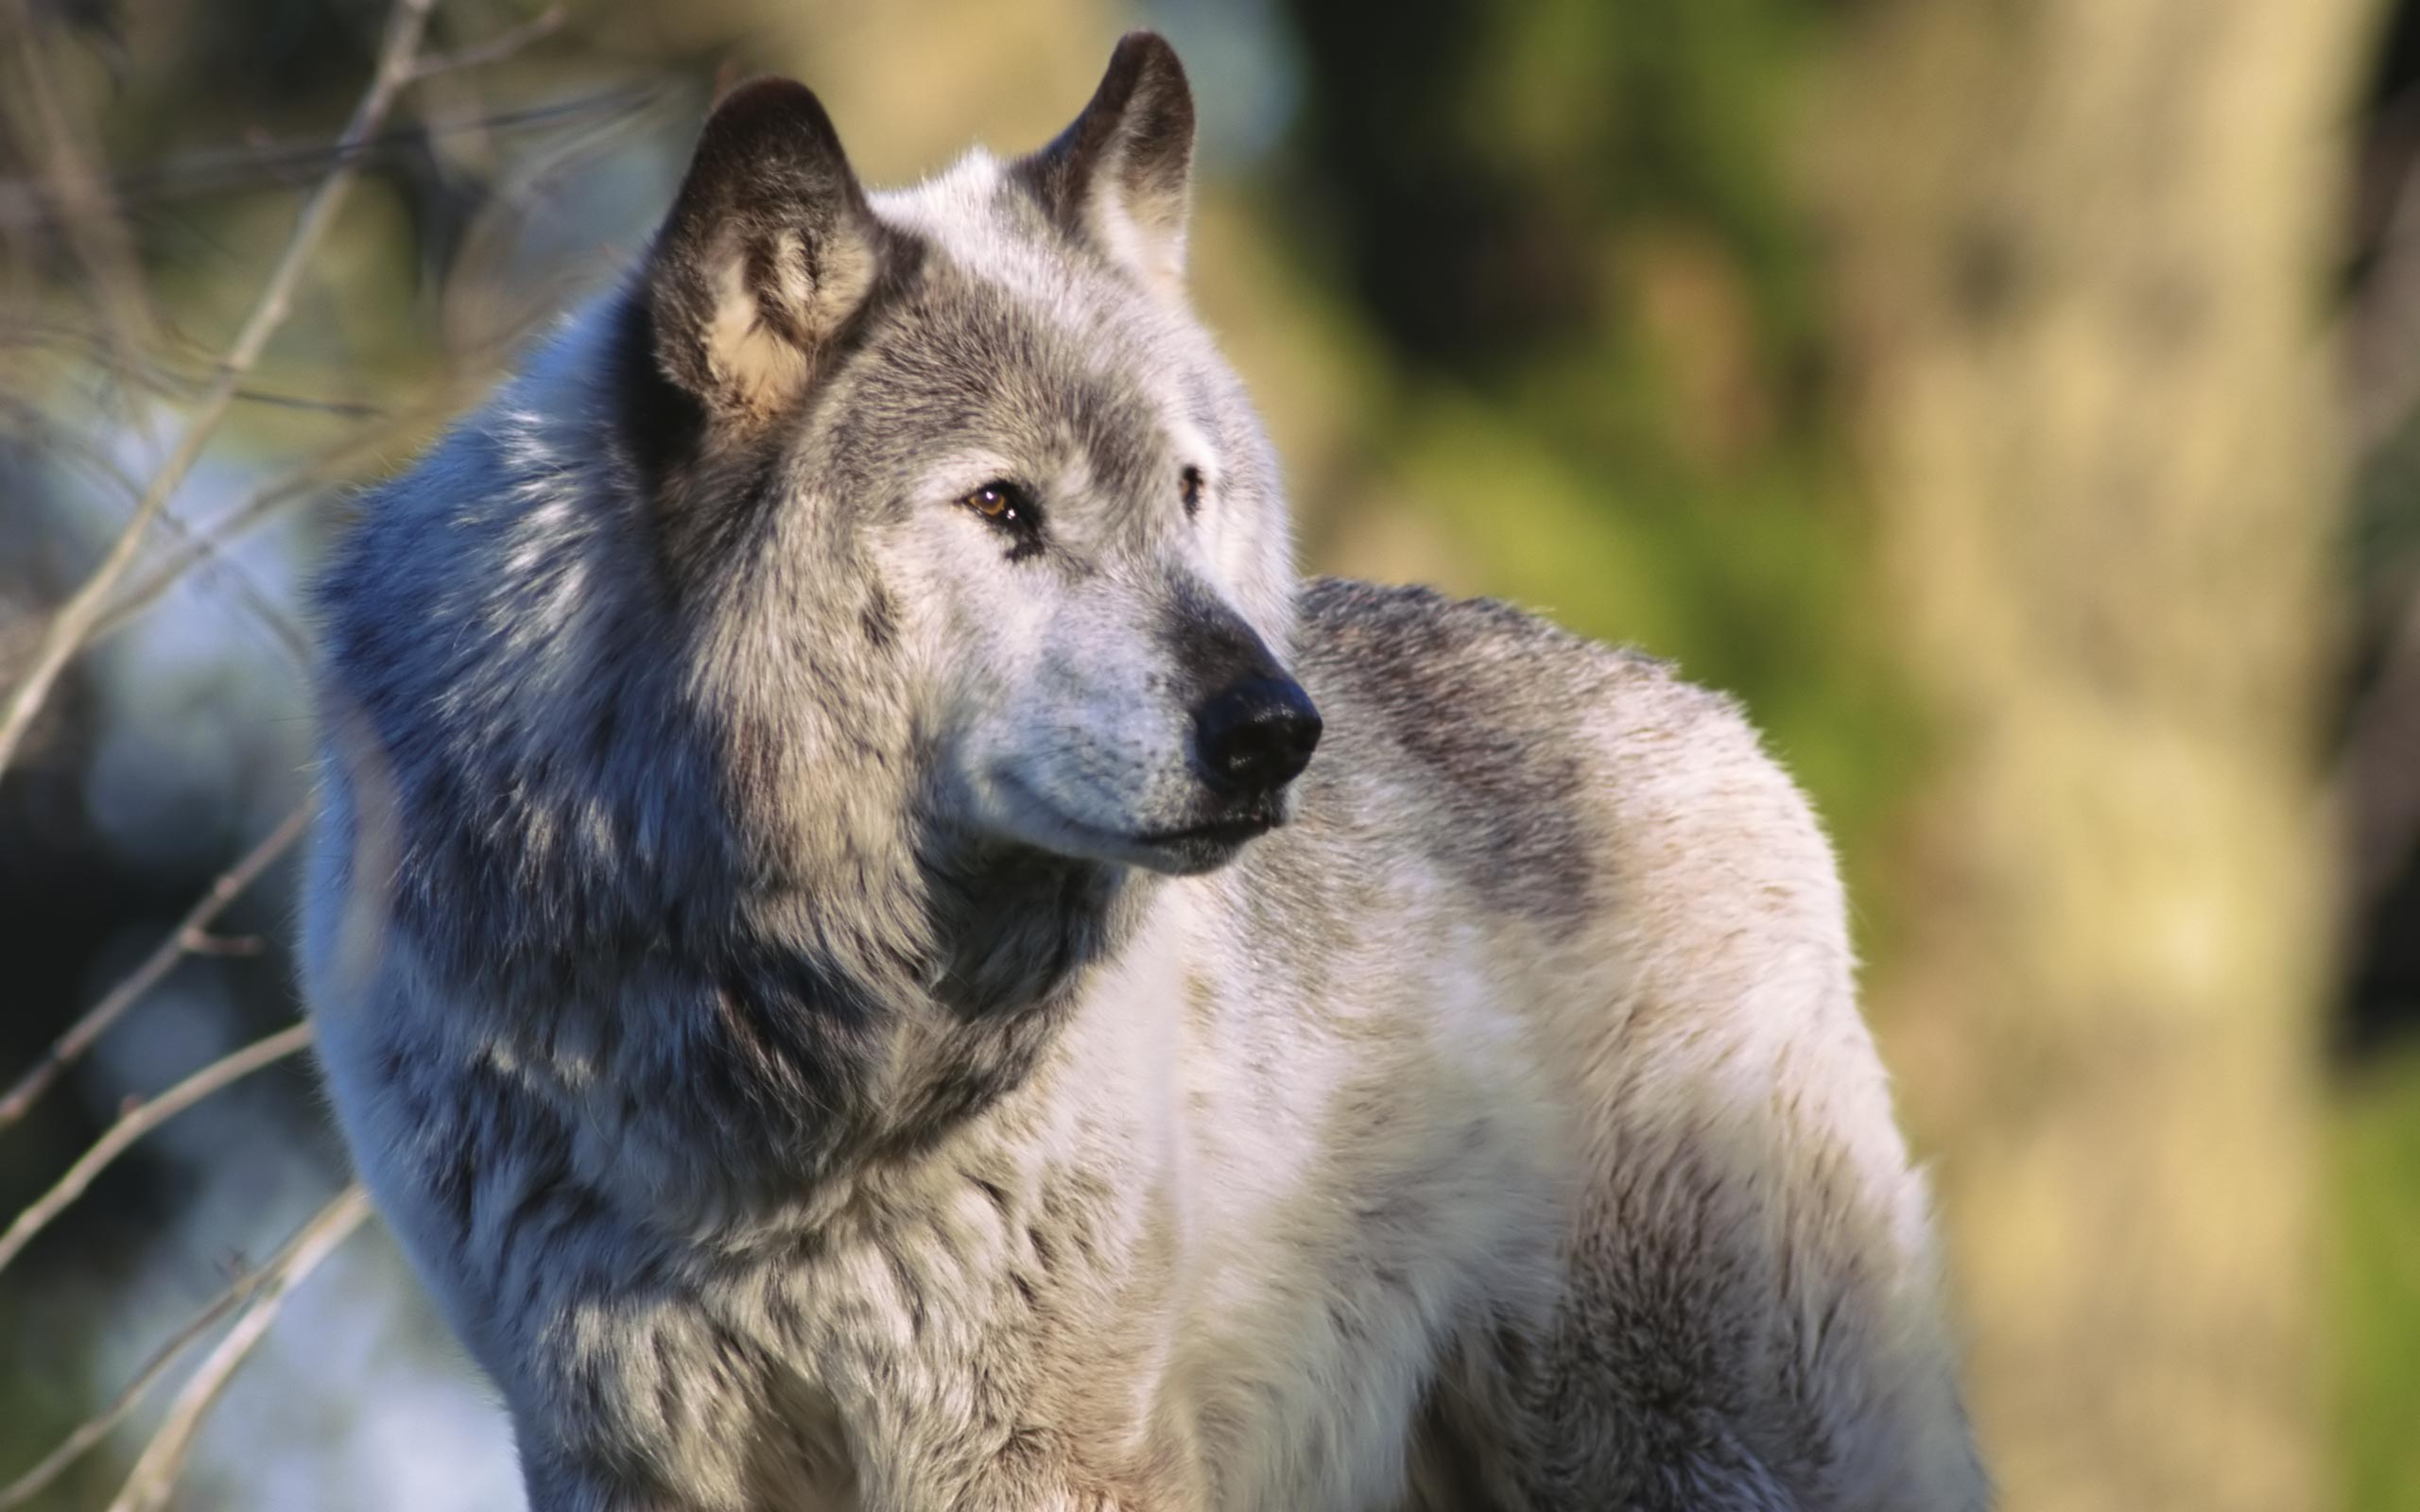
(768, 250)
(1122, 175)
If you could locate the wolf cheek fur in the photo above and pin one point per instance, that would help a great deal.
(793, 959)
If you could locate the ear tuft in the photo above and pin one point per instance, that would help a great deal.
(1121, 174)
(768, 250)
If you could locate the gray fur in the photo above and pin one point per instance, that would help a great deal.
(769, 973)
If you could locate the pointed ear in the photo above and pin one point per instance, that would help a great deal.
(768, 250)
(1121, 177)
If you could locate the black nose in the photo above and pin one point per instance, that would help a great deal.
(1258, 736)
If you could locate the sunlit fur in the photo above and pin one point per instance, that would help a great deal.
(748, 982)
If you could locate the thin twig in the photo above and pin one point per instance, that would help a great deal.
(88, 213)
(231, 573)
(140, 1120)
(496, 49)
(156, 373)
(77, 616)
(219, 171)
(92, 1430)
(304, 481)
(155, 1474)
(81, 1035)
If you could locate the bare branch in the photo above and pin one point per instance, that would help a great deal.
(496, 49)
(83, 609)
(299, 485)
(231, 573)
(140, 1120)
(155, 967)
(155, 1474)
(157, 374)
(212, 171)
(87, 212)
(92, 1430)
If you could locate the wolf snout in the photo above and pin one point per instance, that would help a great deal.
(1256, 736)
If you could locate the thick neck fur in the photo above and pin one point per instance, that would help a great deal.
(609, 796)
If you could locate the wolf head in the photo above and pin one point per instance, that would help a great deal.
(961, 451)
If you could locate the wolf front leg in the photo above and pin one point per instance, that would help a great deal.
(1752, 1321)
(1749, 1317)
(1752, 1293)
(1748, 1323)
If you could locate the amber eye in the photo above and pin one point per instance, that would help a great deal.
(997, 500)
(1008, 507)
(1189, 485)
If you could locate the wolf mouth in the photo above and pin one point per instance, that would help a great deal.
(1233, 829)
(1198, 846)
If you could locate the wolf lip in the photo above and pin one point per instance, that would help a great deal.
(1233, 830)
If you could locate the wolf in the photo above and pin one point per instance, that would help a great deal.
(880, 949)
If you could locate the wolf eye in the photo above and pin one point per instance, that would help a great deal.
(1000, 502)
(1188, 486)
(1009, 506)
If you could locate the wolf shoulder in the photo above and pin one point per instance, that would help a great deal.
(1560, 780)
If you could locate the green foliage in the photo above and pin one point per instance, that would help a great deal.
(2373, 1203)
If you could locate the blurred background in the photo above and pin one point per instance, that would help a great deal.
(2017, 405)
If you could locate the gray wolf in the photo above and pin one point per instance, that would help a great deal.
(880, 949)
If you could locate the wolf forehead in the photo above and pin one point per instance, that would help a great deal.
(991, 329)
